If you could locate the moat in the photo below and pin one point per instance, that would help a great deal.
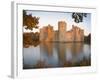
(56, 55)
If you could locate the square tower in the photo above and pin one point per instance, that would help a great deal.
(62, 31)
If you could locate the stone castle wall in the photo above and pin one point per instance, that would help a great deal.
(69, 36)
(61, 35)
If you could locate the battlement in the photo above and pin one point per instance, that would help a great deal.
(48, 34)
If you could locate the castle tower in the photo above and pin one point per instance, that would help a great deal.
(62, 31)
(50, 33)
(43, 33)
(46, 33)
(78, 34)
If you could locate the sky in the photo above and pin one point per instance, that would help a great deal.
(52, 18)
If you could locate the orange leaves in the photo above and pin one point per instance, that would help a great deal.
(30, 21)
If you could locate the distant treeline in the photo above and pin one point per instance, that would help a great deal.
(87, 39)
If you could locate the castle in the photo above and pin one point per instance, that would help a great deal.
(47, 33)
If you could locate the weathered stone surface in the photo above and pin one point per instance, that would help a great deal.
(61, 35)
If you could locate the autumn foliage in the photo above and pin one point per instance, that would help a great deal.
(30, 39)
(29, 21)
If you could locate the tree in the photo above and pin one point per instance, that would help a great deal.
(29, 21)
(78, 17)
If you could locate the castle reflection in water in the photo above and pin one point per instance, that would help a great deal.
(54, 54)
(59, 48)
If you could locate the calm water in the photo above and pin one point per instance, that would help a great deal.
(52, 55)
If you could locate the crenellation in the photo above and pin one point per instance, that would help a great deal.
(47, 33)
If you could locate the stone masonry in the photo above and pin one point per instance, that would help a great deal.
(61, 35)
